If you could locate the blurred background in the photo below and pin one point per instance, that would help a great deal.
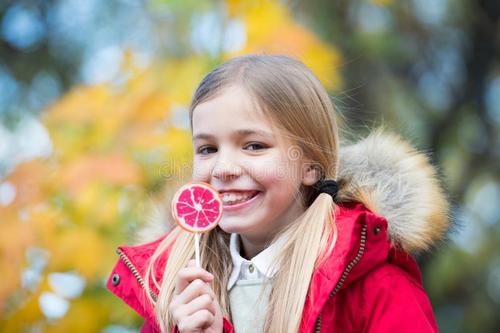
(94, 127)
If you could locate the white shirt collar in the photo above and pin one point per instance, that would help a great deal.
(263, 262)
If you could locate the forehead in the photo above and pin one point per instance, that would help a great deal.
(233, 110)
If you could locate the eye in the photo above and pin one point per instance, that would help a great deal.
(256, 146)
(205, 150)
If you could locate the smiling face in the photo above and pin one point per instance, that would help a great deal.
(258, 173)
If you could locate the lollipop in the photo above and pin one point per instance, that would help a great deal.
(197, 208)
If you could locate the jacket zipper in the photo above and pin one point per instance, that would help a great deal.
(136, 274)
(347, 270)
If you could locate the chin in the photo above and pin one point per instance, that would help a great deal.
(233, 228)
(230, 228)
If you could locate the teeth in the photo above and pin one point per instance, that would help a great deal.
(235, 197)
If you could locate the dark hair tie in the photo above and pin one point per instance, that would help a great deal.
(328, 186)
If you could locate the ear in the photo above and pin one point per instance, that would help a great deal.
(310, 174)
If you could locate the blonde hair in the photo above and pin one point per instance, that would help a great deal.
(296, 103)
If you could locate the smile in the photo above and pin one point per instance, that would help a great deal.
(236, 200)
(232, 198)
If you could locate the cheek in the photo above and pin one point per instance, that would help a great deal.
(277, 172)
(201, 170)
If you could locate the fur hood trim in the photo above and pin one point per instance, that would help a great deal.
(384, 172)
(399, 183)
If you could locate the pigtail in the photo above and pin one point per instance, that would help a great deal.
(310, 239)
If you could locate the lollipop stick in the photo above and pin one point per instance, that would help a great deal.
(197, 249)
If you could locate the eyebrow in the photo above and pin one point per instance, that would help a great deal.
(240, 132)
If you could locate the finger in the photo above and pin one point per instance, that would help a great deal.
(202, 302)
(193, 290)
(199, 320)
(188, 274)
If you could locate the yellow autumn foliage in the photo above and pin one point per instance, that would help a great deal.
(272, 30)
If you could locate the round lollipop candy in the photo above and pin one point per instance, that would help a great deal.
(197, 208)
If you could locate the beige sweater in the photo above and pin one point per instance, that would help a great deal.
(248, 300)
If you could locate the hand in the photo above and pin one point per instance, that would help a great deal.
(194, 307)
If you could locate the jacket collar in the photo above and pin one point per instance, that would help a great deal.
(362, 244)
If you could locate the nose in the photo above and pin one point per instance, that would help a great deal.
(226, 167)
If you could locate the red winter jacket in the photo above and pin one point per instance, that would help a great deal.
(365, 286)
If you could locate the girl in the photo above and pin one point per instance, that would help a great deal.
(312, 238)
